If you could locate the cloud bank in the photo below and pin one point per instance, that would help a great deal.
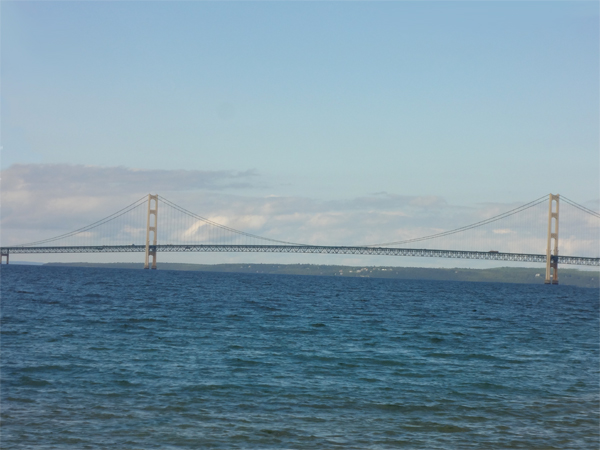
(40, 201)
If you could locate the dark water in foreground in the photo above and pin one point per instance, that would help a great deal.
(99, 358)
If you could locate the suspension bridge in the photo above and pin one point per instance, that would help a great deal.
(185, 231)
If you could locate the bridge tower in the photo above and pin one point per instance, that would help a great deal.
(552, 247)
(151, 225)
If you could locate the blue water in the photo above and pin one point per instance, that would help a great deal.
(102, 358)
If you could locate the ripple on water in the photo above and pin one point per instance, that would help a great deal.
(131, 359)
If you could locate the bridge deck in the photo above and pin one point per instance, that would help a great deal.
(339, 250)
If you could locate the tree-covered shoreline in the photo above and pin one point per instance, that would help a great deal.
(521, 275)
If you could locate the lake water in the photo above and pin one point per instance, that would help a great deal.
(126, 359)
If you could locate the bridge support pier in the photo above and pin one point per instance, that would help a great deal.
(552, 246)
(4, 253)
(151, 225)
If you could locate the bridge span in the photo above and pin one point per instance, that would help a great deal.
(314, 249)
(185, 231)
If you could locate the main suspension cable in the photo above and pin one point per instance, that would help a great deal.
(190, 214)
(580, 207)
(220, 226)
(467, 227)
(113, 216)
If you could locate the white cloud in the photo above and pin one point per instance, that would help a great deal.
(42, 201)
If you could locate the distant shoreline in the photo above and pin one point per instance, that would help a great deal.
(519, 275)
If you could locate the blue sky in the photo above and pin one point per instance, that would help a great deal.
(469, 102)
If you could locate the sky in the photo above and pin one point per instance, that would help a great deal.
(444, 112)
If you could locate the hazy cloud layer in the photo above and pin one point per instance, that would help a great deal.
(55, 196)
(42, 201)
(96, 180)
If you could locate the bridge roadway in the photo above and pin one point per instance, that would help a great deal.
(338, 250)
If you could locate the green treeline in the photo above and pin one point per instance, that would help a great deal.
(573, 277)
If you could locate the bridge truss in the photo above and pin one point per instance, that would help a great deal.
(314, 249)
(210, 236)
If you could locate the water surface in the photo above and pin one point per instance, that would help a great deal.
(104, 358)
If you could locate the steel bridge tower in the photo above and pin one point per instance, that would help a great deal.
(552, 247)
(151, 228)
